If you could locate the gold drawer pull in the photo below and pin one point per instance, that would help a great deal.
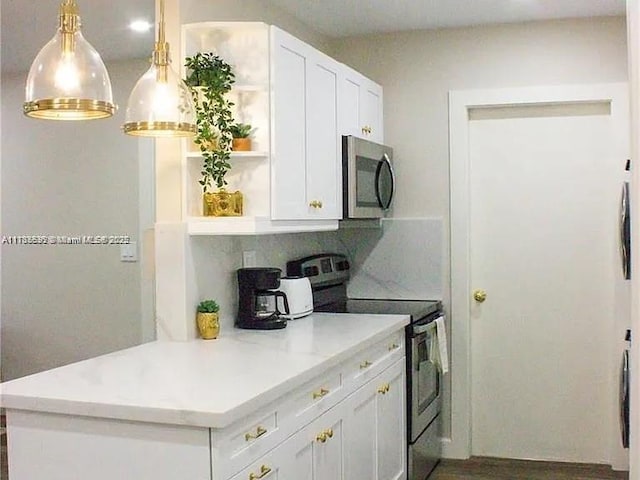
(365, 364)
(384, 389)
(321, 393)
(393, 346)
(315, 204)
(259, 432)
(264, 471)
(324, 435)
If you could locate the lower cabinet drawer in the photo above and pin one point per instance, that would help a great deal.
(243, 442)
(370, 362)
(312, 399)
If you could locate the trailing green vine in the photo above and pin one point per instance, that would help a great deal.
(210, 79)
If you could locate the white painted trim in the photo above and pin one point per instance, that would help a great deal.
(146, 255)
(460, 102)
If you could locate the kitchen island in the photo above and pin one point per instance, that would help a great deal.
(250, 403)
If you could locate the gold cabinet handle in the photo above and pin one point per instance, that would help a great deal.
(365, 364)
(384, 389)
(364, 130)
(393, 346)
(320, 393)
(252, 436)
(264, 471)
(315, 204)
(479, 295)
(324, 435)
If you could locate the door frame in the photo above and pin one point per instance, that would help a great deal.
(460, 103)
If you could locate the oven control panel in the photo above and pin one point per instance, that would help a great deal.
(324, 269)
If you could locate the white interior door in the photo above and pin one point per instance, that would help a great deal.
(543, 187)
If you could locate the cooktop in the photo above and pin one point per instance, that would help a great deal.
(417, 309)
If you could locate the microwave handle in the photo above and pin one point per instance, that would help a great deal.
(387, 160)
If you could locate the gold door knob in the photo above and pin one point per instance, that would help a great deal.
(479, 295)
(321, 437)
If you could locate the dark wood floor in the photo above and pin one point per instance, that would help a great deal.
(500, 469)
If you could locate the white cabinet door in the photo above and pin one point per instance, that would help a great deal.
(371, 110)
(317, 451)
(323, 145)
(289, 132)
(305, 149)
(360, 106)
(375, 428)
(360, 432)
(391, 423)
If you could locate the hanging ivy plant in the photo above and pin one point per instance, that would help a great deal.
(210, 79)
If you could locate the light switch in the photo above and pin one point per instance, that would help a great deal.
(249, 258)
(129, 252)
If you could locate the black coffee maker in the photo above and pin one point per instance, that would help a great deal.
(257, 294)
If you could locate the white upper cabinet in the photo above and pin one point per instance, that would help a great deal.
(300, 103)
(305, 152)
(360, 101)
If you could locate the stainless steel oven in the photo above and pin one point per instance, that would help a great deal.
(424, 382)
(368, 180)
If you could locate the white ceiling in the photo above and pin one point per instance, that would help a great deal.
(339, 18)
(28, 24)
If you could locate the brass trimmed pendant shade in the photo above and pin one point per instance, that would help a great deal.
(160, 105)
(67, 79)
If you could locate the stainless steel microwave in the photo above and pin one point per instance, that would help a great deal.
(368, 180)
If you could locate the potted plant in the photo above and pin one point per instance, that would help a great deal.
(207, 319)
(210, 79)
(241, 140)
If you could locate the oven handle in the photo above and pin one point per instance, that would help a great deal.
(418, 329)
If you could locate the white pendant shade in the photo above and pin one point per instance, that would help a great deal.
(160, 105)
(68, 80)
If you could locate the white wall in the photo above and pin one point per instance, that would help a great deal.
(418, 69)
(66, 303)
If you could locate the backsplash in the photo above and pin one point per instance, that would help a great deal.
(402, 260)
(218, 258)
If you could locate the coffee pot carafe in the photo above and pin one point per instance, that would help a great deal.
(257, 299)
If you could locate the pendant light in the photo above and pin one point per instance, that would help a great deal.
(160, 105)
(68, 80)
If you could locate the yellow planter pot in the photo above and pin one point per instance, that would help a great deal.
(208, 325)
(222, 204)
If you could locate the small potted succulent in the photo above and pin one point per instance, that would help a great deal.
(207, 319)
(241, 140)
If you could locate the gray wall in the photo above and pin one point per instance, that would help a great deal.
(61, 304)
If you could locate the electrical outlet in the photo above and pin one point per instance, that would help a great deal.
(249, 258)
(129, 252)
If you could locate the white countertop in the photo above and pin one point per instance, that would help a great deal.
(207, 383)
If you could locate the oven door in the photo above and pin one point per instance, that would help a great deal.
(368, 178)
(424, 394)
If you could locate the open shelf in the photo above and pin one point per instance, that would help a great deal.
(249, 154)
